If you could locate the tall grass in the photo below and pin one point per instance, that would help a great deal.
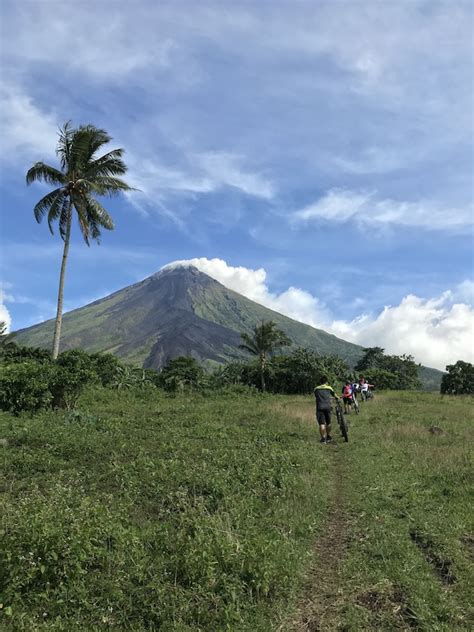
(149, 512)
(408, 563)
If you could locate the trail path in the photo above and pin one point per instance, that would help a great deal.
(321, 600)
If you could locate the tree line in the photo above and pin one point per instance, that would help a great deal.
(30, 380)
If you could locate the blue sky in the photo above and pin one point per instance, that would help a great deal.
(316, 156)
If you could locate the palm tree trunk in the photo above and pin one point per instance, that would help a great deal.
(262, 372)
(59, 313)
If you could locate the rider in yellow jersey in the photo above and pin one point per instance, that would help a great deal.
(324, 393)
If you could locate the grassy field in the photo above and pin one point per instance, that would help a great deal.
(398, 551)
(143, 512)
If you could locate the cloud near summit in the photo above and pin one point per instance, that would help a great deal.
(436, 331)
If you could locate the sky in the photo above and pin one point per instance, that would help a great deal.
(315, 156)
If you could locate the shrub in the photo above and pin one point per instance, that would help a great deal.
(11, 352)
(181, 373)
(383, 379)
(107, 367)
(72, 371)
(128, 377)
(25, 387)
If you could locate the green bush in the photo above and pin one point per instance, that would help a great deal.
(72, 371)
(25, 387)
(129, 377)
(107, 367)
(11, 352)
(181, 373)
(383, 379)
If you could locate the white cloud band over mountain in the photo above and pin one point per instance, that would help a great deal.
(436, 331)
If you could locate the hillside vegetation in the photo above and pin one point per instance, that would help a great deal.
(176, 312)
(146, 511)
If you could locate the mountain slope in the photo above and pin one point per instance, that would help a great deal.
(178, 311)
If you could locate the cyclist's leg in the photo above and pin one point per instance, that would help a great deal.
(328, 425)
(323, 417)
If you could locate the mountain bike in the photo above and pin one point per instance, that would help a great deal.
(341, 420)
(355, 405)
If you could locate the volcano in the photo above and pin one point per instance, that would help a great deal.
(178, 311)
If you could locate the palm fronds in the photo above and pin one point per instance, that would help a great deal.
(49, 200)
(42, 172)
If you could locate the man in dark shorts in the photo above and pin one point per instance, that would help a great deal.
(324, 393)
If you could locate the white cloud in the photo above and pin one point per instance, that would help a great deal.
(464, 292)
(436, 331)
(4, 313)
(25, 130)
(203, 173)
(114, 47)
(293, 302)
(340, 205)
(225, 169)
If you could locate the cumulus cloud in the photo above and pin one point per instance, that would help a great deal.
(341, 205)
(4, 313)
(436, 331)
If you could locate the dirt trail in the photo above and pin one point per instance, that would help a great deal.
(321, 600)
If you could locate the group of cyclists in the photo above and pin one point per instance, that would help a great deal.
(350, 391)
(324, 393)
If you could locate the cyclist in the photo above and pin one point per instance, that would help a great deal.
(355, 403)
(347, 396)
(355, 389)
(323, 394)
(364, 389)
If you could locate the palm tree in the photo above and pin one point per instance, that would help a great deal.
(82, 176)
(263, 342)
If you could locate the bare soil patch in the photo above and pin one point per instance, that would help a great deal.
(440, 565)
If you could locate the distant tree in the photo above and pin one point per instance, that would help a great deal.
(265, 339)
(181, 372)
(459, 379)
(302, 370)
(403, 369)
(371, 359)
(383, 379)
(82, 176)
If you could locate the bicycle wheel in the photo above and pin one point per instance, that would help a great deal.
(342, 424)
(356, 407)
